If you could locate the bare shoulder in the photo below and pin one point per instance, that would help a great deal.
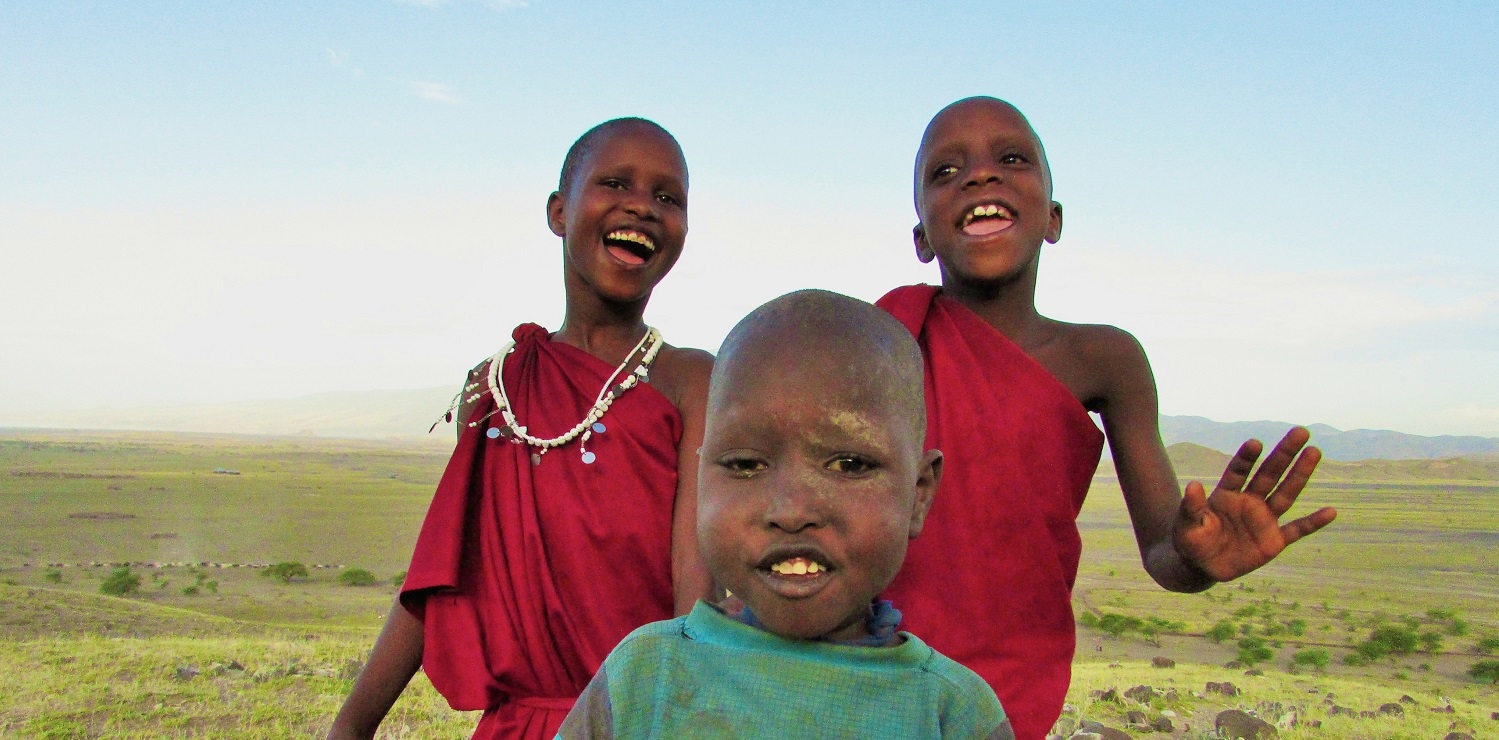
(1097, 362)
(681, 374)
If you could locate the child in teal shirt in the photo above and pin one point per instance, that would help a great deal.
(812, 479)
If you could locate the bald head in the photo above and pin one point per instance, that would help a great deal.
(981, 115)
(819, 337)
(591, 138)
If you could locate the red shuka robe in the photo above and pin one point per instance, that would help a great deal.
(989, 581)
(526, 576)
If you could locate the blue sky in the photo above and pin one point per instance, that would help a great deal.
(1289, 205)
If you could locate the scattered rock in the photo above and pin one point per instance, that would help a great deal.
(1225, 688)
(1312, 723)
(1087, 736)
(1112, 695)
(1136, 717)
(1366, 714)
(1494, 715)
(1162, 662)
(1233, 665)
(1444, 709)
(1232, 723)
(1254, 672)
(1392, 708)
(1268, 708)
(1141, 693)
(1458, 736)
(1162, 724)
(1168, 713)
(1287, 721)
(1336, 710)
(187, 672)
(1115, 665)
(1171, 695)
(1407, 699)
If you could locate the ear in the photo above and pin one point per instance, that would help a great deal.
(556, 219)
(926, 489)
(1054, 224)
(923, 250)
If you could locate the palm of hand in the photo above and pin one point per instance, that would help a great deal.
(1237, 529)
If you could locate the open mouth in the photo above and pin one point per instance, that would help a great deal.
(795, 574)
(629, 246)
(987, 218)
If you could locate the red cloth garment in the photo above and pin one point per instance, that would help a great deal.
(989, 581)
(526, 576)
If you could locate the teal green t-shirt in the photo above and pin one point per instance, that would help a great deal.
(708, 676)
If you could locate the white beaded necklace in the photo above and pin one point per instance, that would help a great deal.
(516, 432)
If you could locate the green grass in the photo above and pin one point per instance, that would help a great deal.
(77, 664)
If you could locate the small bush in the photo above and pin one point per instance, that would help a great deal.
(1296, 627)
(1222, 631)
(285, 571)
(357, 577)
(1431, 641)
(53, 575)
(1253, 650)
(1487, 645)
(1118, 624)
(1486, 671)
(211, 586)
(1088, 619)
(1356, 659)
(190, 590)
(398, 579)
(1457, 627)
(121, 582)
(1313, 657)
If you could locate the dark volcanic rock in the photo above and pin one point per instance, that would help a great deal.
(1392, 708)
(1162, 662)
(1162, 724)
(1458, 736)
(1407, 699)
(1136, 717)
(1140, 693)
(1225, 688)
(1232, 723)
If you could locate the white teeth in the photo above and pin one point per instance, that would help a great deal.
(632, 236)
(991, 210)
(797, 567)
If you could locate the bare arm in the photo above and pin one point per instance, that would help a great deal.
(1132, 423)
(397, 655)
(1189, 543)
(689, 574)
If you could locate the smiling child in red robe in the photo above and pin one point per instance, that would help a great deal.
(566, 517)
(1009, 393)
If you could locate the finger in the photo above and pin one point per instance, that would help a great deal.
(1290, 487)
(1308, 524)
(1239, 467)
(1194, 506)
(1280, 458)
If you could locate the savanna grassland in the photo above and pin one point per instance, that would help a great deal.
(201, 648)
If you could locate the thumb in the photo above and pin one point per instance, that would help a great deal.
(1194, 506)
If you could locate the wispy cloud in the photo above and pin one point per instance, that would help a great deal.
(435, 91)
(340, 59)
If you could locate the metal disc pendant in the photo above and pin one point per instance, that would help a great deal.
(598, 427)
(493, 433)
(588, 458)
(536, 458)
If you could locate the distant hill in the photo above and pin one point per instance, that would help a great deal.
(1336, 444)
(1206, 465)
(385, 414)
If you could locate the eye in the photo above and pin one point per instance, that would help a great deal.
(853, 465)
(943, 170)
(669, 199)
(614, 183)
(742, 466)
(1013, 158)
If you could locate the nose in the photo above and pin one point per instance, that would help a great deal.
(983, 173)
(640, 205)
(795, 505)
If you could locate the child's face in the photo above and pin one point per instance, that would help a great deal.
(983, 194)
(624, 217)
(810, 487)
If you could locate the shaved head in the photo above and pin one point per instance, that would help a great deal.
(824, 335)
(966, 110)
(591, 138)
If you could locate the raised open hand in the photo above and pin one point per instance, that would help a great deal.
(1237, 529)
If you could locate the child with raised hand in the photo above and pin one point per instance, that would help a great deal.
(1008, 395)
(566, 516)
(812, 480)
